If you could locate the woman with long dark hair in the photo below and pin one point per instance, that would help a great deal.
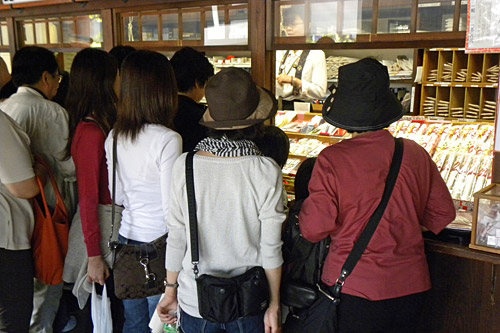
(147, 148)
(91, 104)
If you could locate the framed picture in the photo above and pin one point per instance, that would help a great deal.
(483, 26)
(486, 220)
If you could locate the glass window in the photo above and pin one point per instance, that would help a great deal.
(462, 26)
(68, 28)
(41, 32)
(5, 34)
(96, 35)
(170, 26)
(149, 27)
(191, 26)
(54, 32)
(339, 20)
(366, 16)
(238, 26)
(216, 29)
(394, 16)
(435, 15)
(131, 28)
(83, 30)
(29, 33)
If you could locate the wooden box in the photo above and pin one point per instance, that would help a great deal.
(486, 220)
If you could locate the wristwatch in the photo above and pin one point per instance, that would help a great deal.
(170, 285)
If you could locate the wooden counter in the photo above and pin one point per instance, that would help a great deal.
(466, 290)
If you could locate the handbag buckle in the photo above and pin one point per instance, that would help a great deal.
(334, 299)
(149, 276)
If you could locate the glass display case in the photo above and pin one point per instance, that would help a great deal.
(62, 32)
(216, 25)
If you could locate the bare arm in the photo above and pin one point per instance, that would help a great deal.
(169, 302)
(25, 189)
(272, 316)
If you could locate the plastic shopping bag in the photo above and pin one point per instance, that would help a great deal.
(101, 311)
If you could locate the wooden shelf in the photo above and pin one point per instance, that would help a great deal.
(461, 251)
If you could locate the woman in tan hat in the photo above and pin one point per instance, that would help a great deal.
(386, 290)
(239, 207)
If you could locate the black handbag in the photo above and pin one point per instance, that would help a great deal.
(303, 263)
(138, 270)
(306, 319)
(223, 300)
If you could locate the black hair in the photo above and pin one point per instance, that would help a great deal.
(30, 63)
(91, 91)
(291, 13)
(251, 133)
(120, 52)
(274, 143)
(191, 67)
(302, 178)
(148, 93)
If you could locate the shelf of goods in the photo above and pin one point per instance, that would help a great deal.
(463, 152)
(457, 85)
(309, 134)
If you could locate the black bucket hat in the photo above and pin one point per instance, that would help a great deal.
(363, 100)
(235, 101)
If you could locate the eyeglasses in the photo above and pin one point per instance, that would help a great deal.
(58, 76)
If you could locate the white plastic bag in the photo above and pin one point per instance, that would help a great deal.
(101, 311)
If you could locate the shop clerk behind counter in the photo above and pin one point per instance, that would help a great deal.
(301, 74)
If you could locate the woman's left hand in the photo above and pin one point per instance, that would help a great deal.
(166, 308)
(272, 319)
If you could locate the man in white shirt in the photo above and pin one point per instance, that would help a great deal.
(36, 74)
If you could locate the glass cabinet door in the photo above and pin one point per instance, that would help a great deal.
(394, 16)
(435, 15)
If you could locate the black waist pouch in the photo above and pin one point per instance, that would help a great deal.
(222, 300)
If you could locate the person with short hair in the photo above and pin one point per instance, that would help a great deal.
(239, 208)
(192, 71)
(17, 185)
(36, 74)
(301, 74)
(147, 148)
(346, 187)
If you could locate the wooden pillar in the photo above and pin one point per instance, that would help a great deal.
(261, 59)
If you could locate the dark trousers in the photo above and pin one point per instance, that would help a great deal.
(400, 314)
(16, 290)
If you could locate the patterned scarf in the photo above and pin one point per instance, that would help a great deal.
(224, 147)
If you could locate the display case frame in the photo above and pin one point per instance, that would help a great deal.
(486, 220)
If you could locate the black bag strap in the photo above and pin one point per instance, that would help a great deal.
(300, 68)
(193, 220)
(369, 230)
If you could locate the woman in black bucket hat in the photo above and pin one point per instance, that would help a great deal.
(386, 290)
(239, 208)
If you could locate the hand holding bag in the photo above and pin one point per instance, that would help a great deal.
(138, 270)
(101, 311)
(50, 235)
(223, 300)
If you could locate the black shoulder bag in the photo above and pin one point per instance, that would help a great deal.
(138, 270)
(305, 319)
(223, 300)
